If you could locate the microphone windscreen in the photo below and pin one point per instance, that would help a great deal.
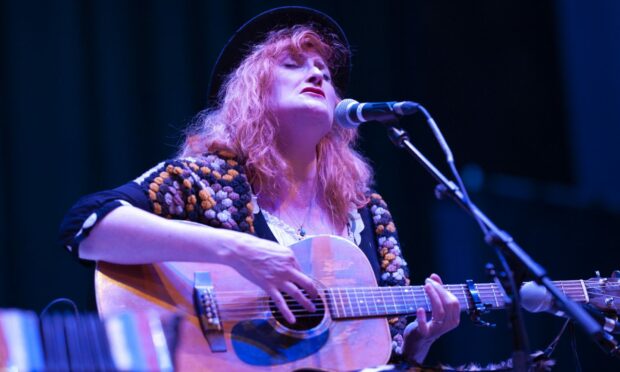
(341, 114)
(535, 298)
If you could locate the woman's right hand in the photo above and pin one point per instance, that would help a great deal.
(274, 268)
(130, 236)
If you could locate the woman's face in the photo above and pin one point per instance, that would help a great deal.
(302, 96)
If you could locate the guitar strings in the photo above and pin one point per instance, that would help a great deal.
(460, 287)
(453, 287)
(380, 301)
(371, 308)
(378, 295)
(371, 301)
(381, 296)
(302, 313)
(576, 288)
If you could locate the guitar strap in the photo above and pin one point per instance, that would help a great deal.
(368, 244)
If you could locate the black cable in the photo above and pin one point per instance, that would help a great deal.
(573, 346)
(56, 342)
(551, 348)
(57, 301)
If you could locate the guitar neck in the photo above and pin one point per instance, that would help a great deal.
(385, 301)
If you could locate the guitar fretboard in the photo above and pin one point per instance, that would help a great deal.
(365, 302)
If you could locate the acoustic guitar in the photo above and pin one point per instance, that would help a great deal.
(231, 325)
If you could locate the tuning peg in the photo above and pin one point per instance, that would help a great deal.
(609, 301)
(600, 279)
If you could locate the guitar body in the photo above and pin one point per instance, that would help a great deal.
(255, 342)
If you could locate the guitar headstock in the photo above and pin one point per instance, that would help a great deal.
(604, 293)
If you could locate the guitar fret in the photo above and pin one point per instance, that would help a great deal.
(360, 303)
(465, 298)
(485, 296)
(454, 290)
(382, 292)
(332, 302)
(344, 308)
(351, 303)
(495, 296)
(410, 308)
(393, 301)
(586, 297)
(395, 298)
(418, 293)
(374, 300)
(364, 301)
(368, 300)
(403, 304)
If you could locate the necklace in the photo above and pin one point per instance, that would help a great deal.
(293, 228)
(279, 225)
(301, 230)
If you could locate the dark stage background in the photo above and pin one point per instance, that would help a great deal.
(526, 92)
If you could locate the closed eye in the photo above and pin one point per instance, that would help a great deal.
(291, 62)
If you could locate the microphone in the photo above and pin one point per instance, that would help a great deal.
(350, 114)
(535, 299)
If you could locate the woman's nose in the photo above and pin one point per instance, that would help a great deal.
(315, 76)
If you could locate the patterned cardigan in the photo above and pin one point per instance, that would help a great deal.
(213, 190)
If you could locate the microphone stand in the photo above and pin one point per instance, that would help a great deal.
(509, 252)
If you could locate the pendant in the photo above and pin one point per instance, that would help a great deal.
(301, 231)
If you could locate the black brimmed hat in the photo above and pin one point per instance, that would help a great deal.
(256, 29)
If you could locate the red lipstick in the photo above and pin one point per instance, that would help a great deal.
(314, 90)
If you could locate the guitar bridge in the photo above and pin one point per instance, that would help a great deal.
(206, 309)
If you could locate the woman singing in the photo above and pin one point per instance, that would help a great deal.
(264, 166)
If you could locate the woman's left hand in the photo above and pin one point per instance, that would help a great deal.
(445, 316)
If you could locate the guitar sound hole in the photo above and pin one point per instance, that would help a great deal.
(304, 320)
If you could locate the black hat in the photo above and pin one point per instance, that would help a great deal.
(256, 29)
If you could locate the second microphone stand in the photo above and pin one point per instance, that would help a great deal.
(512, 257)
